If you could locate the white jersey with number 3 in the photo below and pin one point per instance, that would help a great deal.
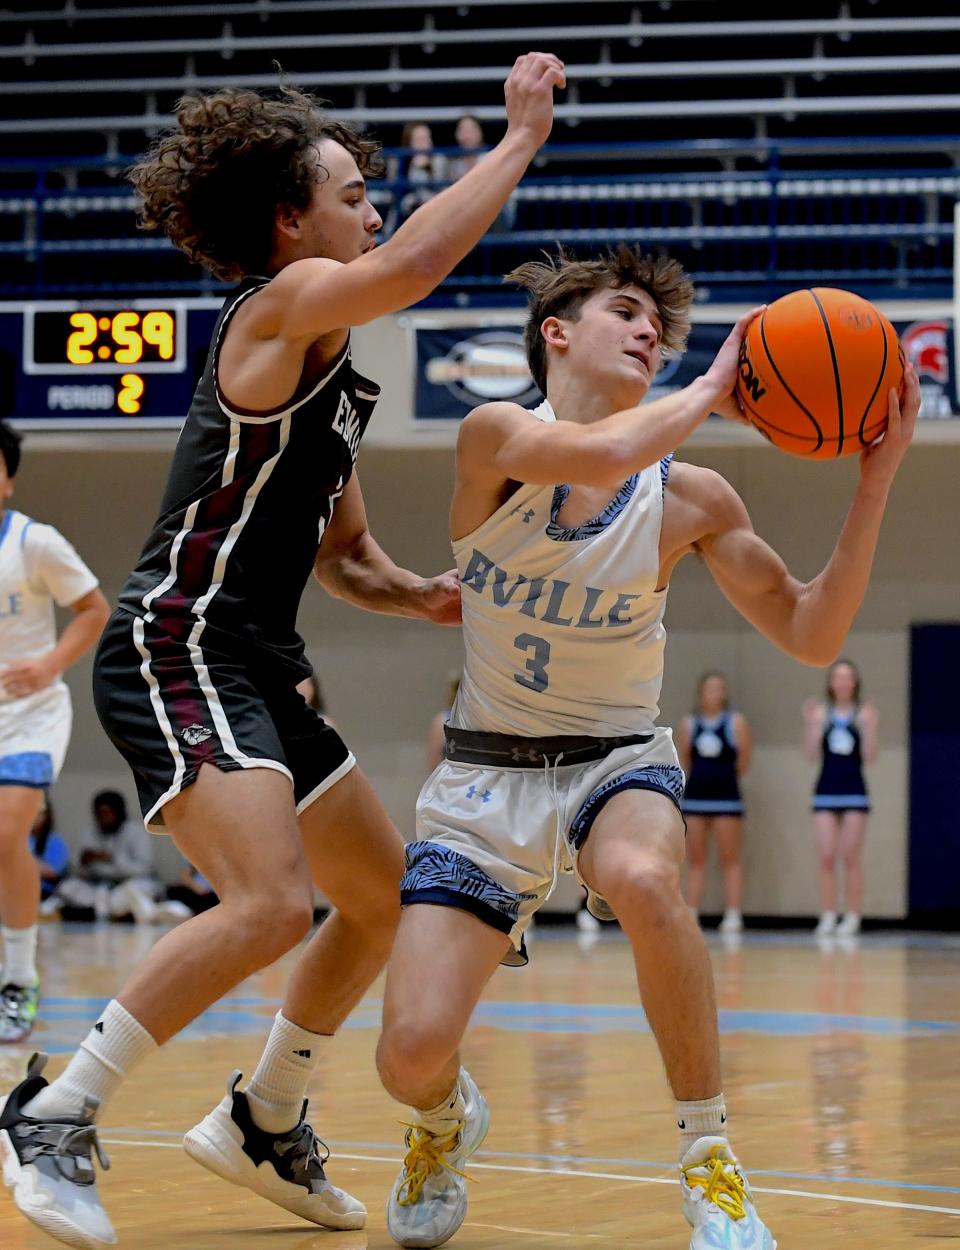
(563, 628)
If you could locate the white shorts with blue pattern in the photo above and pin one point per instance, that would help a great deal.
(492, 840)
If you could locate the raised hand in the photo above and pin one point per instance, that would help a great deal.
(529, 94)
(880, 461)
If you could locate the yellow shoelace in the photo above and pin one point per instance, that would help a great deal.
(425, 1155)
(723, 1185)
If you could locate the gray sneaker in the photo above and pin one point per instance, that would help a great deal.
(429, 1198)
(18, 1011)
(48, 1166)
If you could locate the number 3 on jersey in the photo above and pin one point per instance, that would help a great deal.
(536, 664)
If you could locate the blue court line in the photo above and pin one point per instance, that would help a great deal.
(234, 1017)
(605, 1160)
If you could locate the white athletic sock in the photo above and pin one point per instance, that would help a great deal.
(701, 1119)
(448, 1111)
(109, 1052)
(279, 1085)
(20, 956)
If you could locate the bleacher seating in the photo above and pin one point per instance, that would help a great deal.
(820, 144)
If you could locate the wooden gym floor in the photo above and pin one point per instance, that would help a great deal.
(842, 1077)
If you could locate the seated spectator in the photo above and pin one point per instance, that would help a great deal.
(469, 136)
(470, 140)
(115, 873)
(51, 852)
(421, 168)
(188, 896)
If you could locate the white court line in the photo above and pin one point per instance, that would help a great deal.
(612, 1176)
(535, 1232)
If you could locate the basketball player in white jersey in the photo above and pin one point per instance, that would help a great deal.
(195, 676)
(567, 523)
(38, 568)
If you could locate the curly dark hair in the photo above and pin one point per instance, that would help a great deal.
(558, 286)
(214, 184)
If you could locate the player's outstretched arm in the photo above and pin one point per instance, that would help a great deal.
(314, 296)
(809, 621)
(512, 445)
(352, 566)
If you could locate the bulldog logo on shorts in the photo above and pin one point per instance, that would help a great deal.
(193, 735)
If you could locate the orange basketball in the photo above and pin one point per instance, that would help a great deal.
(815, 371)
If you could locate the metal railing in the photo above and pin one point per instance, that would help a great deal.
(753, 230)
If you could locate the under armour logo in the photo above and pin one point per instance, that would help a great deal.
(304, 1054)
(527, 516)
(484, 798)
(99, 1026)
(193, 735)
(529, 754)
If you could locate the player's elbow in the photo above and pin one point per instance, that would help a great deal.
(329, 574)
(817, 653)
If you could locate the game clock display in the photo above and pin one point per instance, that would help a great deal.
(102, 364)
(97, 338)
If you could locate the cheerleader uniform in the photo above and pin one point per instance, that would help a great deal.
(840, 786)
(712, 787)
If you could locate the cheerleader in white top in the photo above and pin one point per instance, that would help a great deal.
(38, 568)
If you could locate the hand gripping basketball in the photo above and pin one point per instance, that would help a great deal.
(816, 370)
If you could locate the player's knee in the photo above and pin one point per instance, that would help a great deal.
(273, 924)
(410, 1052)
(644, 892)
(375, 910)
(295, 920)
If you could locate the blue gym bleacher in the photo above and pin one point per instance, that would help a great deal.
(818, 146)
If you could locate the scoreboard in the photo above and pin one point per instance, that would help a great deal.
(102, 364)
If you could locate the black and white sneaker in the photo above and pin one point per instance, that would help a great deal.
(48, 1167)
(286, 1168)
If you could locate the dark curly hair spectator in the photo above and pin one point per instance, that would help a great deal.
(214, 184)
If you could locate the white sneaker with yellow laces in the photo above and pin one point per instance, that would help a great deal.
(428, 1202)
(717, 1200)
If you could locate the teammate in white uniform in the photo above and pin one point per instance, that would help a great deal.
(567, 523)
(38, 568)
